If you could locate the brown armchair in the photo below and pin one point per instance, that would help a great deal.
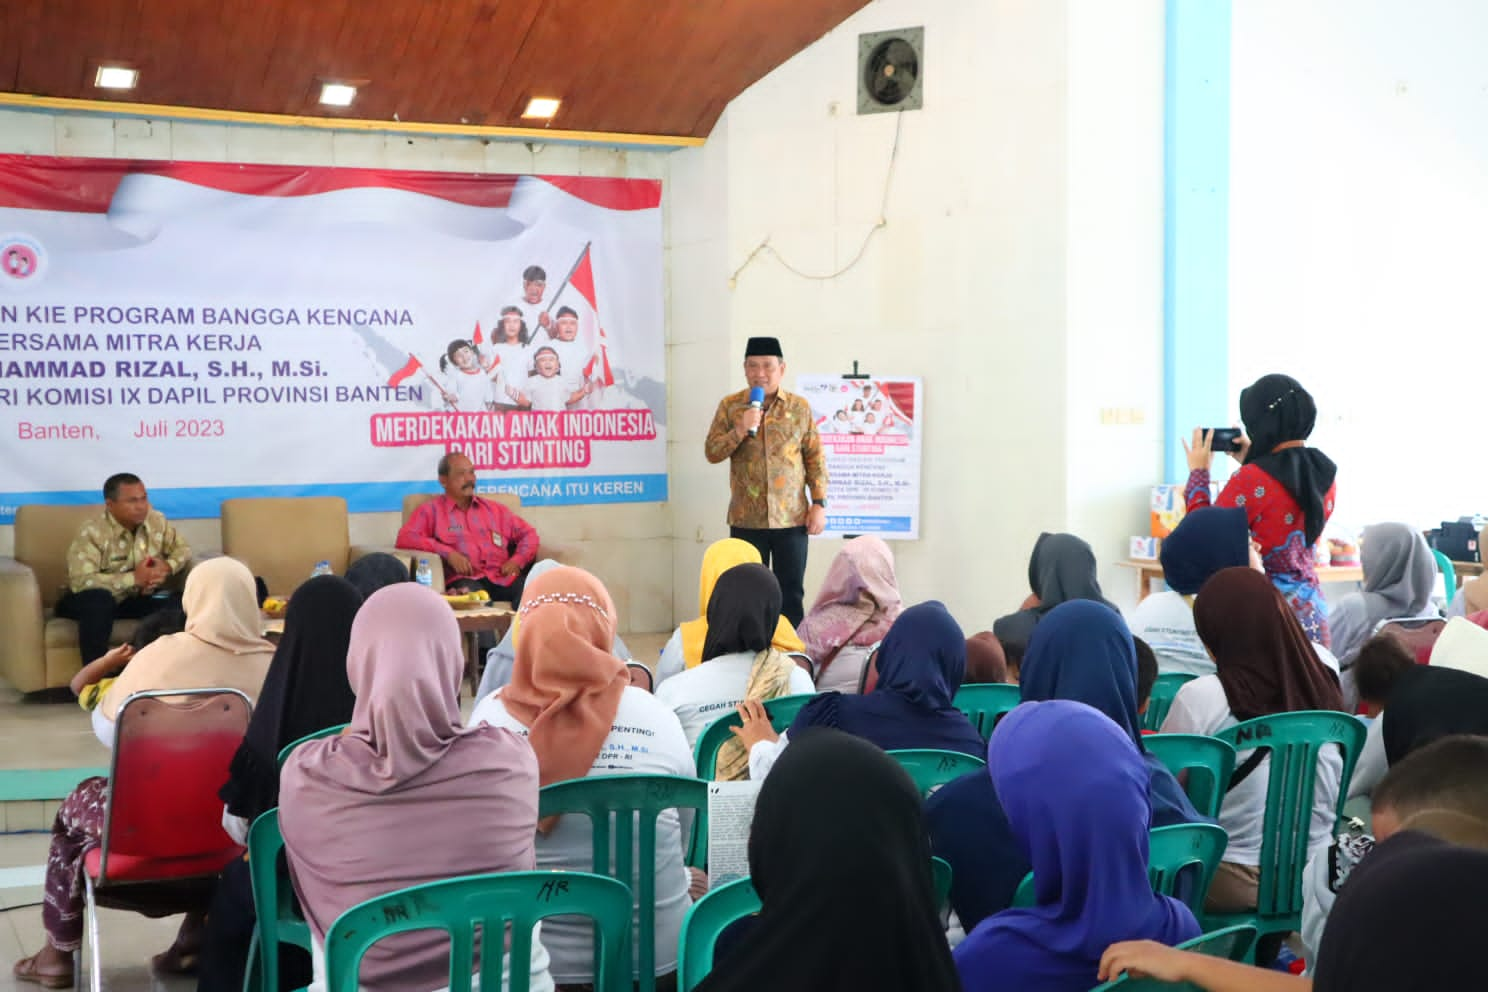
(281, 539)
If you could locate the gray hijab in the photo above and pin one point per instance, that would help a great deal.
(1399, 577)
(501, 658)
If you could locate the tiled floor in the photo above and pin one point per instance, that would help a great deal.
(58, 735)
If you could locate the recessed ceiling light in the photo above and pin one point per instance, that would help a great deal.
(543, 107)
(337, 94)
(114, 77)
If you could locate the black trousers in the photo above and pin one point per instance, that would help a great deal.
(784, 550)
(229, 936)
(95, 612)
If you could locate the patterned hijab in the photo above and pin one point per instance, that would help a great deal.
(858, 602)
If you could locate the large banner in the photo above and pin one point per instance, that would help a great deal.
(242, 330)
(871, 430)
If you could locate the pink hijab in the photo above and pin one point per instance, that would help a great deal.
(405, 768)
(858, 601)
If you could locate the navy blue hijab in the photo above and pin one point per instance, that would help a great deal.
(1082, 651)
(921, 663)
(1204, 542)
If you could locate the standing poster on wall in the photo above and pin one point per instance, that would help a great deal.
(870, 430)
(243, 330)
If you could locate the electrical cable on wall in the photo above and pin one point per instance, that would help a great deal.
(765, 246)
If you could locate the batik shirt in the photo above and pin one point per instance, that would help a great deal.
(769, 474)
(104, 553)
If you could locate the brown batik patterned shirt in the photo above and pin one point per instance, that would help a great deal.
(103, 554)
(769, 474)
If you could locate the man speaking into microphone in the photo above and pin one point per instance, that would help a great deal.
(775, 460)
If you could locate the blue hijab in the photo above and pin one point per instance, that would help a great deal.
(1084, 652)
(921, 663)
(1204, 542)
(1075, 789)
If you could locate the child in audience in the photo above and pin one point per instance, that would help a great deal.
(1083, 652)
(306, 690)
(858, 602)
(839, 857)
(921, 663)
(94, 679)
(738, 662)
(1264, 664)
(985, 661)
(1075, 789)
(1378, 666)
(1146, 676)
(406, 795)
(572, 699)
(1061, 568)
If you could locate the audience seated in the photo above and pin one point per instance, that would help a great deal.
(1204, 542)
(370, 573)
(685, 648)
(306, 690)
(840, 859)
(1377, 669)
(1146, 675)
(985, 661)
(117, 564)
(1264, 665)
(1075, 789)
(219, 647)
(1081, 652)
(1399, 577)
(572, 699)
(858, 602)
(1061, 568)
(738, 661)
(921, 663)
(405, 769)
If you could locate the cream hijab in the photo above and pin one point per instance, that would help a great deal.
(221, 647)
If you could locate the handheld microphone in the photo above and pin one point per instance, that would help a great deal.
(756, 402)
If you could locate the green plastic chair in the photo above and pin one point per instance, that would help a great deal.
(1231, 943)
(714, 912)
(1203, 764)
(1161, 698)
(491, 902)
(285, 752)
(1294, 740)
(1449, 574)
(984, 703)
(782, 711)
(614, 805)
(279, 917)
(1173, 853)
(931, 769)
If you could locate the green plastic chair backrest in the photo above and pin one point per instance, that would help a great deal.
(1161, 698)
(1294, 741)
(1174, 853)
(984, 703)
(491, 902)
(1203, 764)
(931, 769)
(1230, 943)
(616, 805)
(713, 913)
(279, 917)
(285, 751)
(782, 711)
(1449, 574)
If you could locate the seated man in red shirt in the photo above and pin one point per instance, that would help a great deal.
(484, 545)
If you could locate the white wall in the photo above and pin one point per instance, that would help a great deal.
(618, 542)
(1025, 302)
(1359, 238)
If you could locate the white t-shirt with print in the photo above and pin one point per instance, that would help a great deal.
(1201, 708)
(645, 739)
(708, 691)
(1165, 621)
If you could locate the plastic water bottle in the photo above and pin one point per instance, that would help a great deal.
(321, 568)
(425, 574)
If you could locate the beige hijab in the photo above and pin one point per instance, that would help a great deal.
(221, 647)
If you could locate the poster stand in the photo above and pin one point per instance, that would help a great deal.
(854, 374)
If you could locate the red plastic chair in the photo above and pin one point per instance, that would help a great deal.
(163, 845)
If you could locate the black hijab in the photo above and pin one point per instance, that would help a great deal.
(1429, 703)
(840, 856)
(742, 612)
(1061, 568)
(1276, 409)
(305, 690)
(1406, 921)
(376, 570)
